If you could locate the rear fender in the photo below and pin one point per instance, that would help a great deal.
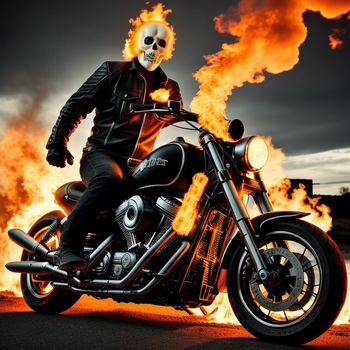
(258, 223)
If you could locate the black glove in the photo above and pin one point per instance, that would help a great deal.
(58, 156)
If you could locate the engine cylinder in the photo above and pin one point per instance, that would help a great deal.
(138, 214)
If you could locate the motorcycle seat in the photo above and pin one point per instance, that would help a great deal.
(74, 189)
(68, 194)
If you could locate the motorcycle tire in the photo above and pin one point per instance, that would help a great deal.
(39, 295)
(311, 291)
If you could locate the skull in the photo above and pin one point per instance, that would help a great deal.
(155, 44)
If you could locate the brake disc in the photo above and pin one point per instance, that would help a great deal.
(287, 294)
(310, 283)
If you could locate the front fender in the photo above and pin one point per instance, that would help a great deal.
(258, 223)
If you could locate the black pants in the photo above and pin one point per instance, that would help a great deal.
(102, 174)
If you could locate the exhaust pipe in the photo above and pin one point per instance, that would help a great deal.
(28, 243)
(36, 267)
(154, 282)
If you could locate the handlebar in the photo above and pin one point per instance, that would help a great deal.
(171, 108)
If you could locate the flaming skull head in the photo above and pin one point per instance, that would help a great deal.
(152, 38)
(155, 44)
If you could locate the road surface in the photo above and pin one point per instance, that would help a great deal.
(104, 324)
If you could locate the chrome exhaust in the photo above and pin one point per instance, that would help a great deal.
(154, 282)
(28, 243)
(37, 268)
(133, 273)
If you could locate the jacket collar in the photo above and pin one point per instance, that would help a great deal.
(135, 65)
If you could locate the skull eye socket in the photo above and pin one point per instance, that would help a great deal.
(162, 43)
(148, 40)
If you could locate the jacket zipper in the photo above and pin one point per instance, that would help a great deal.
(122, 107)
(108, 134)
(144, 117)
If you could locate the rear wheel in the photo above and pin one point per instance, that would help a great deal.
(38, 293)
(307, 293)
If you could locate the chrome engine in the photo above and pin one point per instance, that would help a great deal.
(142, 221)
(122, 262)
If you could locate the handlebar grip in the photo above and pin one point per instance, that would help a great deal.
(135, 107)
(172, 108)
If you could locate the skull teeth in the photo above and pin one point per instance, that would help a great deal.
(151, 57)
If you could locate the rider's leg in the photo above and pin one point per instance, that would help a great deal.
(103, 177)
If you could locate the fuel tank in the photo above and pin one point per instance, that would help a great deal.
(168, 169)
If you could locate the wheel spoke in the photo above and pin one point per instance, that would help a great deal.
(311, 285)
(295, 294)
(301, 257)
(301, 307)
(305, 292)
(311, 267)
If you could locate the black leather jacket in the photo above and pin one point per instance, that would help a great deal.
(109, 90)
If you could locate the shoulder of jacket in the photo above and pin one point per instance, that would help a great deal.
(174, 83)
(115, 66)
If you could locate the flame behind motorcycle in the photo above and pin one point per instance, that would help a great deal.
(285, 278)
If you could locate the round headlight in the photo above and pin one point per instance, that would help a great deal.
(252, 153)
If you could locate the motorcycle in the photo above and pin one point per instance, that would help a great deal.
(285, 278)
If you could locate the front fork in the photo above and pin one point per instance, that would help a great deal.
(240, 213)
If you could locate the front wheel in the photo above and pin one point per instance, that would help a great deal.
(39, 294)
(308, 289)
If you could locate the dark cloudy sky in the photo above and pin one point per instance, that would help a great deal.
(54, 46)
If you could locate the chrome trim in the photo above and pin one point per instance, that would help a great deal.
(164, 272)
(135, 271)
(100, 250)
(37, 268)
(154, 110)
(132, 162)
(239, 211)
(263, 203)
(63, 221)
(284, 215)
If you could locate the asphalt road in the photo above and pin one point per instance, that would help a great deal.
(104, 324)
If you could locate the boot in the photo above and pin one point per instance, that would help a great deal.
(69, 259)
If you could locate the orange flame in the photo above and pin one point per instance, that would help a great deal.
(267, 35)
(278, 188)
(27, 184)
(156, 15)
(160, 95)
(328, 9)
(334, 41)
(187, 215)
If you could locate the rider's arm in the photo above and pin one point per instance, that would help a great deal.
(77, 107)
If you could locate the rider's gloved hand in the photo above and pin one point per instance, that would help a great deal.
(58, 156)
